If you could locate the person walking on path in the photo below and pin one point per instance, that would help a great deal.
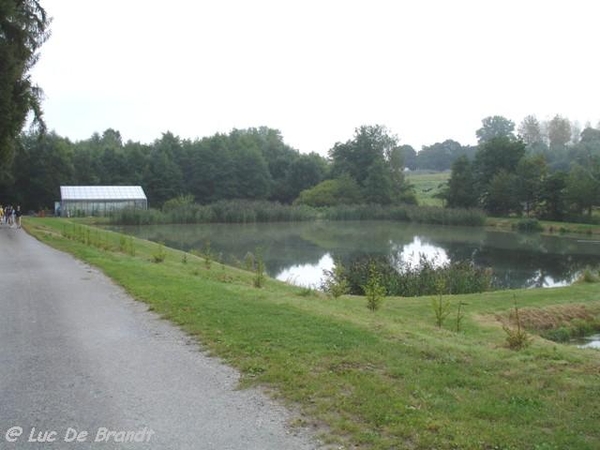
(17, 214)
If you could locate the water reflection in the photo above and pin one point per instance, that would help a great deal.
(298, 252)
(590, 342)
(409, 255)
(307, 275)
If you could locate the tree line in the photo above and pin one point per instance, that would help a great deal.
(504, 174)
(252, 164)
(556, 177)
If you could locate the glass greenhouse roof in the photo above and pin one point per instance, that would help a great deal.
(102, 193)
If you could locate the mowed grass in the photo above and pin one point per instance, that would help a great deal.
(427, 185)
(384, 380)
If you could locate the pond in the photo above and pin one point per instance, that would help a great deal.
(299, 252)
(592, 341)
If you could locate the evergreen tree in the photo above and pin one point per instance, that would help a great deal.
(23, 29)
(461, 192)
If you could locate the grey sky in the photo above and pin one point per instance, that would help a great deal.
(429, 70)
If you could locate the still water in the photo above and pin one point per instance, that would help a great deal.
(299, 252)
(592, 341)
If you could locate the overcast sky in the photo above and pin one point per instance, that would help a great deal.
(429, 70)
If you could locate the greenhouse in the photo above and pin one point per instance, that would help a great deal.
(99, 200)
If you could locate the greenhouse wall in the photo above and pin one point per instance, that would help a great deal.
(77, 201)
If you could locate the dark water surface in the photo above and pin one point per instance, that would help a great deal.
(299, 252)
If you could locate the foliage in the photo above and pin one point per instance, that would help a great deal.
(259, 270)
(207, 254)
(373, 160)
(516, 338)
(460, 192)
(529, 225)
(340, 191)
(589, 275)
(374, 289)
(23, 30)
(427, 277)
(503, 176)
(499, 154)
(253, 164)
(494, 127)
(159, 254)
(334, 281)
(441, 307)
(530, 130)
(441, 155)
(559, 132)
(583, 188)
(178, 203)
(407, 213)
(232, 211)
(460, 315)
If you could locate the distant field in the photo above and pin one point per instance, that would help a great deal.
(427, 184)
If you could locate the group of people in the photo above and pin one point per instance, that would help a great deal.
(10, 216)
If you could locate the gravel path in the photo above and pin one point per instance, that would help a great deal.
(77, 356)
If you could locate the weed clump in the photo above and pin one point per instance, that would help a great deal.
(517, 338)
(159, 254)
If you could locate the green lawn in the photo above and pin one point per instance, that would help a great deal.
(427, 185)
(384, 380)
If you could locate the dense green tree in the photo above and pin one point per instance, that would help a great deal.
(495, 127)
(23, 29)
(378, 185)
(460, 191)
(531, 173)
(339, 191)
(500, 153)
(583, 188)
(306, 171)
(212, 170)
(355, 156)
(439, 156)
(373, 160)
(42, 164)
(163, 177)
(501, 197)
(553, 203)
(590, 135)
(409, 156)
(252, 178)
(530, 131)
(559, 132)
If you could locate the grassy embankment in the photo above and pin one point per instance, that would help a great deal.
(388, 379)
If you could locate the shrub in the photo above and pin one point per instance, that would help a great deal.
(374, 290)
(529, 225)
(160, 254)
(589, 275)
(335, 282)
(516, 338)
(259, 270)
(403, 279)
(441, 308)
